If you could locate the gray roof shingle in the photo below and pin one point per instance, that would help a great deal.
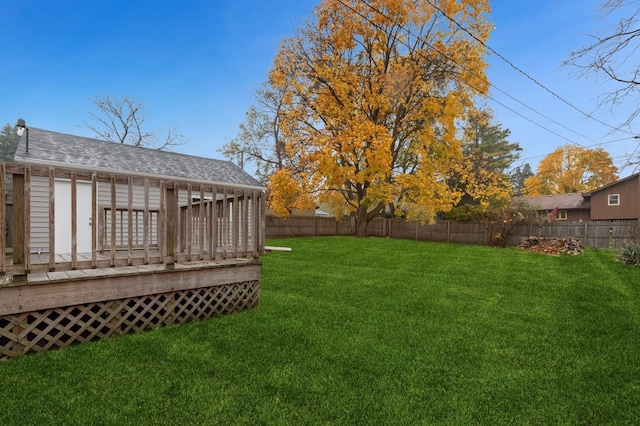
(47, 147)
(550, 202)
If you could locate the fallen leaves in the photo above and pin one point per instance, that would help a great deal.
(553, 246)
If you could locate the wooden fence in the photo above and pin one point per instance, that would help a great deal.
(603, 235)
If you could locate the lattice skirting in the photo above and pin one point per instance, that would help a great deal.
(57, 327)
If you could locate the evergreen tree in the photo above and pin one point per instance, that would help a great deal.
(8, 142)
(518, 176)
(487, 144)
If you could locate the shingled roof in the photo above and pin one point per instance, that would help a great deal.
(550, 202)
(63, 150)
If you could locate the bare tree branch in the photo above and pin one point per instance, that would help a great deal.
(121, 120)
(614, 56)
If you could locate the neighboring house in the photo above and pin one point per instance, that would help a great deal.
(619, 200)
(570, 207)
(52, 149)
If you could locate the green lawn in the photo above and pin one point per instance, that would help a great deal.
(372, 331)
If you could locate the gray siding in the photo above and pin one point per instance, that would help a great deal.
(39, 214)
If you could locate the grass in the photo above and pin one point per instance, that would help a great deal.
(372, 331)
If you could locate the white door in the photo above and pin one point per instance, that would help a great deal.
(63, 216)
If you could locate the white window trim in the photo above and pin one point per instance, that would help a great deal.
(562, 215)
(609, 196)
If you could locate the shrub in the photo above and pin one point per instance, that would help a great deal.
(629, 254)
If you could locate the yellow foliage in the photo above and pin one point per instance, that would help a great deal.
(375, 92)
(489, 188)
(571, 168)
(285, 194)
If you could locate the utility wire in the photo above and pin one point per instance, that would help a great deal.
(409, 32)
(512, 65)
(588, 146)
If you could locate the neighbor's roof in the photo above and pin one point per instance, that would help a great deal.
(550, 202)
(52, 148)
(617, 182)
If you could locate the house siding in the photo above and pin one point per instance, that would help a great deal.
(39, 239)
(628, 207)
(577, 215)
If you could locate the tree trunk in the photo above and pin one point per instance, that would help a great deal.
(363, 217)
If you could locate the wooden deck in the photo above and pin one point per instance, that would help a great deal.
(41, 263)
(112, 272)
(56, 309)
(157, 251)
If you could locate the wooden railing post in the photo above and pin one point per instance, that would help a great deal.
(74, 221)
(52, 220)
(18, 219)
(3, 222)
(171, 213)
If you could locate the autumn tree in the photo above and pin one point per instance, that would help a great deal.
(122, 120)
(571, 168)
(260, 140)
(374, 91)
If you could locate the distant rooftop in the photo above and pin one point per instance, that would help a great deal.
(550, 202)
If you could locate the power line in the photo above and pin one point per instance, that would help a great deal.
(471, 72)
(630, 157)
(533, 157)
(512, 65)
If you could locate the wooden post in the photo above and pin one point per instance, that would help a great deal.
(214, 223)
(235, 222)
(3, 221)
(255, 223)
(263, 223)
(27, 219)
(225, 223)
(448, 231)
(130, 220)
(146, 222)
(586, 234)
(488, 230)
(171, 211)
(18, 223)
(74, 221)
(293, 225)
(113, 220)
(161, 225)
(244, 224)
(94, 220)
(52, 220)
(177, 235)
(188, 222)
(201, 220)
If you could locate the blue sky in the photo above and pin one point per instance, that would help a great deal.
(196, 66)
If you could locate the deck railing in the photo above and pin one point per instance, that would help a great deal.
(134, 220)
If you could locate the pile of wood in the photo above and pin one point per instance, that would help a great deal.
(552, 245)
